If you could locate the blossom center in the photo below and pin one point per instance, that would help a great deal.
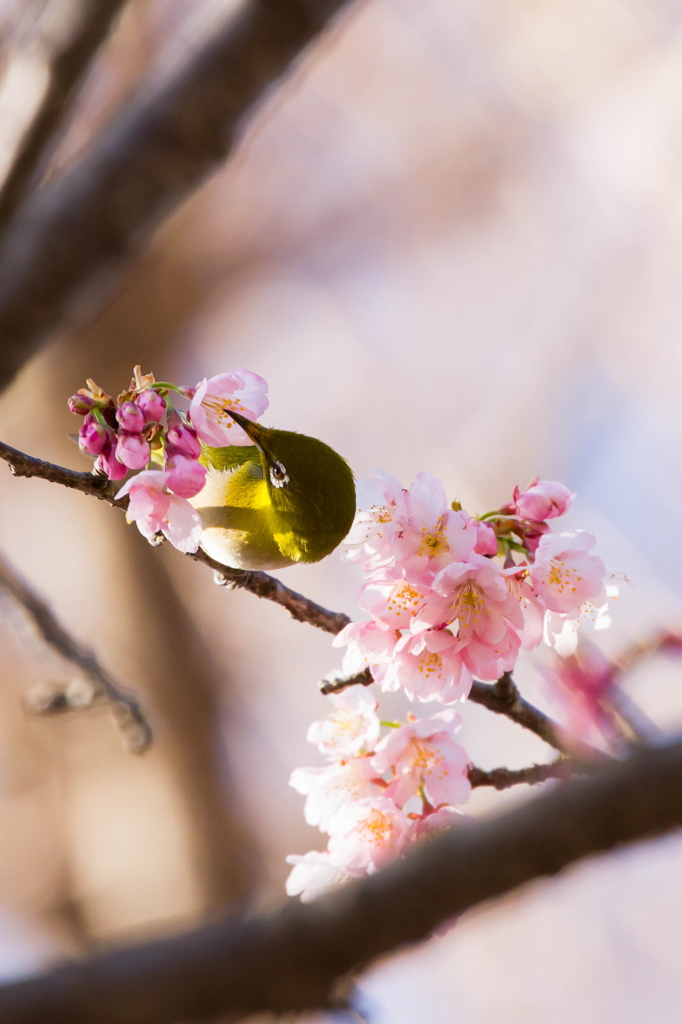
(434, 543)
(376, 828)
(561, 576)
(218, 406)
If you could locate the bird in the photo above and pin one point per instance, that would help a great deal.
(285, 499)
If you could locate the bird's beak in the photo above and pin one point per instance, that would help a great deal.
(253, 430)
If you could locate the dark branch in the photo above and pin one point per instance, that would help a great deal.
(68, 68)
(340, 683)
(125, 709)
(300, 958)
(259, 583)
(68, 238)
(505, 778)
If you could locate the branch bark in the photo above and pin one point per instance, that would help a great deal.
(300, 958)
(125, 709)
(70, 235)
(68, 68)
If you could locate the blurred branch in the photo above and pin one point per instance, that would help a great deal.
(68, 68)
(69, 236)
(301, 958)
(125, 709)
(258, 583)
(505, 778)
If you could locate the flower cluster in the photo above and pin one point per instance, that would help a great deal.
(451, 596)
(143, 431)
(361, 797)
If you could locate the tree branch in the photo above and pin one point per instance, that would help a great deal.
(259, 583)
(69, 236)
(505, 778)
(300, 958)
(68, 68)
(125, 709)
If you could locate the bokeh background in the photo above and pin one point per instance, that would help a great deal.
(451, 240)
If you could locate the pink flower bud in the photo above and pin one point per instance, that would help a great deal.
(133, 450)
(186, 477)
(543, 499)
(187, 392)
(486, 539)
(131, 418)
(81, 405)
(92, 436)
(109, 464)
(181, 440)
(152, 405)
(532, 535)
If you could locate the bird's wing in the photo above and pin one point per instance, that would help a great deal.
(228, 458)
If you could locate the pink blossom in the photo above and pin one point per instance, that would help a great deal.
(429, 666)
(367, 835)
(351, 728)
(432, 534)
(564, 575)
(133, 450)
(313, 874)
(423, 755)
(93, 437)
(579, 683)
(392, 600)
(152, 405)
(109, 464)
(368, 644)
(543, 499)
(329, 788)
(533, 612)
(180, 439)
(131, 418)
(186, 477)
(82, 404)
(241, 390)
(155, 510)
(428, 826)
(381, 508)
(486, 539)
(476, 597)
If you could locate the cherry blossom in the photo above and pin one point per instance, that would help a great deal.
(108, 463)
(432, 534)
(381, 511)
(579, 682)
(185, 476)
(181, 439)
(392, 600)
(155, 510)
(130, 417)
(313, 874)
(351, 728)
(427, 826)
(367, 835)
(152, 405)
(424, 757)
(429, 666)
(369, 644)
(329, 788)
(241, 390)
(486, 539)
(564, 575)
(543, 499)
(93, 436)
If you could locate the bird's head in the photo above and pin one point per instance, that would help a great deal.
(310, 486)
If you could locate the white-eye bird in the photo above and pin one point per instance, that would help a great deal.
(288, 498)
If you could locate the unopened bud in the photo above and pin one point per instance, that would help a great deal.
(152, 405)
(92, 436)
(81, 405)
(131, 418)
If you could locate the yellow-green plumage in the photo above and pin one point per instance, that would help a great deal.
(288, 498)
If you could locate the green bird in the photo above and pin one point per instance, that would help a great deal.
(288, 498)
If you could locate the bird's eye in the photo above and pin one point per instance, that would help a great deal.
(278, 475)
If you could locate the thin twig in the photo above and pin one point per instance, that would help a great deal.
(302, 957)
(124, 707)
(68, 68)
(340, 683)
(259, 583)
(69, 239)
(505, 778)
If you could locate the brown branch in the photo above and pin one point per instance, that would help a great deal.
(505, 778)
(340, 683)
(301, 958)
(68, 68)
(259, 583)
(125, 709)
(72, 235)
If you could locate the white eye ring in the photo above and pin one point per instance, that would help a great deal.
(278, 475)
